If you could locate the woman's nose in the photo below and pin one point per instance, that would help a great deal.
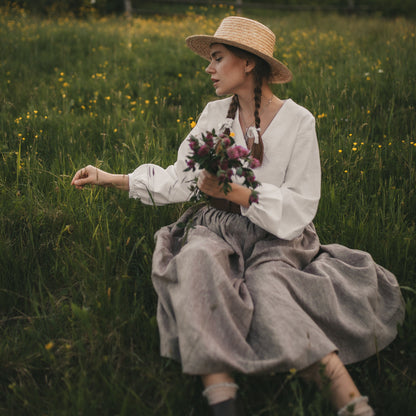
(209, 69)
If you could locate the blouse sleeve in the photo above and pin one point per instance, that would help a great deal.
(287, 209)
(155, 185)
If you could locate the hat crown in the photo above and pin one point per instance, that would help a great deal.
(248, 32)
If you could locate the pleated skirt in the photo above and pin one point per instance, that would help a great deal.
(234, 298)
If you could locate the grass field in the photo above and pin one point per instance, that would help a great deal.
(78, 328)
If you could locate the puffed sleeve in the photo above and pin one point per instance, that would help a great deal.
(286, 209)
(155, 185)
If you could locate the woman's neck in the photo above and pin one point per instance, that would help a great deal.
(247, 101)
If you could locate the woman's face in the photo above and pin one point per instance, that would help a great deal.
(229, 73)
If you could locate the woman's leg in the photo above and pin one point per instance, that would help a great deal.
(219, 387)
(343, 392)
(221, 391)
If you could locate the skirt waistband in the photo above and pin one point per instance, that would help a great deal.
(225, 205)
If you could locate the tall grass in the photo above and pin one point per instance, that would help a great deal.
(78, 329)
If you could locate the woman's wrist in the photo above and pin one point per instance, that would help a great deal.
(239, 194)
(118, 181)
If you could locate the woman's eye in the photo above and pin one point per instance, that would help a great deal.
(218, 59)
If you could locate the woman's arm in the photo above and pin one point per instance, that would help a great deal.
(91, 175)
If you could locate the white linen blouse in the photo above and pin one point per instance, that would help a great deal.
(290, 175)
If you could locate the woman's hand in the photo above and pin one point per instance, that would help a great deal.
(91, 175)
(209, 184)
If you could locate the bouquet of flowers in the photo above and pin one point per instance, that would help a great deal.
(219, 156)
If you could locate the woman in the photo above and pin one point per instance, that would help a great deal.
(249, 288)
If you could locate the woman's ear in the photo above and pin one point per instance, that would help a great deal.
(250, 65)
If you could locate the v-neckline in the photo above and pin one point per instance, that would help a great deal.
(240, 129)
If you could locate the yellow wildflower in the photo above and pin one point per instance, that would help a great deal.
(49, 345)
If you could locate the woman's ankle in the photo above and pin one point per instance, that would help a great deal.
(220, 392)
(357, 407)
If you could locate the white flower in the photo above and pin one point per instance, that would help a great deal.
(226, 125)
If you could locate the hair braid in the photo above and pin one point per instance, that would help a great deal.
(262, 72)
(232, 109)
(258, 149)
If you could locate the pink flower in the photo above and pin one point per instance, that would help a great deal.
(226, 142)
(233, 152)
(203, 150)
(219, 155)
(236, 152)
(209, 140)
(193, 144)
(243, 152)
(254, 163)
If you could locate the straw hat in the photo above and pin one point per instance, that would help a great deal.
(245, 34)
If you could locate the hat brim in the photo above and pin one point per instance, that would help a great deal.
(201, 44)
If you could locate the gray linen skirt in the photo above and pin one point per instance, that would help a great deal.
(233, 297)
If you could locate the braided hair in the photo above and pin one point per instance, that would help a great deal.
(261, 72)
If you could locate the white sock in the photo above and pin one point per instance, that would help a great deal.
(357, 407)
(220, 392)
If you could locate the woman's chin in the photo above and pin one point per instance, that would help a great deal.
(219, 92)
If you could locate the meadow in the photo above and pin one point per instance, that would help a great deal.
(77, 307)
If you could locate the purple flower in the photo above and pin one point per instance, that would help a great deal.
(254, 198)
(254, 163)
(226, 142)
(191, 164)
(224, 164)
(242, 151)
(249, 177)
(236, 152)
(233, 153)
(218, 154)
(209, 140)
(203, 150)
(193, 143)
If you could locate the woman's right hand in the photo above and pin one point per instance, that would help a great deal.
(90, 175)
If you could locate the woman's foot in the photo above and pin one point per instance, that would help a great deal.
(231, 407)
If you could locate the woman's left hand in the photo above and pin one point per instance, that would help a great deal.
(209, 184)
